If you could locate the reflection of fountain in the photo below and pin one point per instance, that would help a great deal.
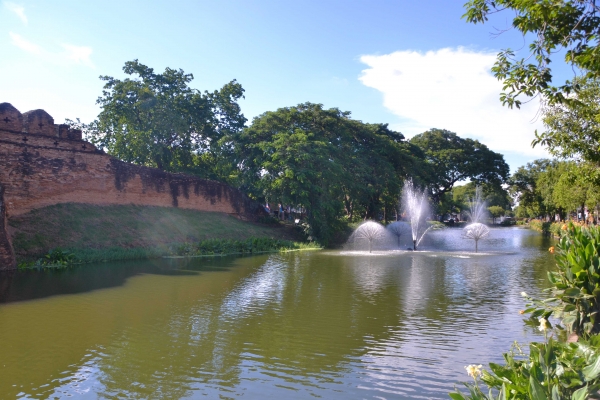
(370, 231)
(415, 202)
(398, 229)
(476, 230)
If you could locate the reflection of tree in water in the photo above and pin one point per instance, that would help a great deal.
(301, 321)
(304, 323)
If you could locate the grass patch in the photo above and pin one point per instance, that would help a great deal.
(98, 233)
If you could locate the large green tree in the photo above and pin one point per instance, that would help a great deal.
(552, 28)
(532, 195)
(453, 159)
(324, 161)
(158, 120)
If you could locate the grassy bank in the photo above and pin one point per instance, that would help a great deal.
(95, 233)
(550, 228)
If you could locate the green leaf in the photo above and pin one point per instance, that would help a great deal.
(536, 391)
(456, 396)
(593, 370)
(572, 292)
(580, 394)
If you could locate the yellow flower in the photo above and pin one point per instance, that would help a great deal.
(544, 325)
(521, 311)
(474, 370)
(564, 227)
(551, 250)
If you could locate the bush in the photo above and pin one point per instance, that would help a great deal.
(226, 246)
(551, 370)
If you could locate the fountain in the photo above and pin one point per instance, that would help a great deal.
(415, 202)
(370, 231)
(476, 230)
(398, 229)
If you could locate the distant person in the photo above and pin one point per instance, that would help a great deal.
(280, 211)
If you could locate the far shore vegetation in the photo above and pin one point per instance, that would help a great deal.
(86, 233)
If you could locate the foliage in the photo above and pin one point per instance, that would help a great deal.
(572, 187)
(551, 370)
(325, 162)
(573, 128)
(575, 291)
(249, 246)
(496, 212)
(453, 159)
(55, 259)
(493, 195)
(157, 120)
(552, 27)
(523, 186)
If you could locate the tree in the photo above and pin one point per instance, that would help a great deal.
(573, 128)
(495, 212)
(533, 196)
(322, 160)
(572, 190)
(572, 26)
(494, 196)
(157, 120)
(453, 159)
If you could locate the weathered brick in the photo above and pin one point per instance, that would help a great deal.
(39, 122)
(10, 118)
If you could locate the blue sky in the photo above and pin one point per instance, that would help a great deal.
(413, 64)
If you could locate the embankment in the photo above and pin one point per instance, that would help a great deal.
(86, 226)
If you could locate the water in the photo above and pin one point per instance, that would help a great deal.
(389, 325)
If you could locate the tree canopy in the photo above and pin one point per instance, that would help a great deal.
(453, 159)
(551, 27)
(159, 121)
(324, 161)
(573, 128)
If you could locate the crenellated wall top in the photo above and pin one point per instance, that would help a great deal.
(35, 122)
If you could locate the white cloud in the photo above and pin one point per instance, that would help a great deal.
(24, 44)
(17, 9)
(452, 89)
(79, 54)
(71, 54)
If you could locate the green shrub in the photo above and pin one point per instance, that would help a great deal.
(55, 259)
(551, 370)
(227, 246)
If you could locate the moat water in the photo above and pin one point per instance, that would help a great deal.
(328, 324)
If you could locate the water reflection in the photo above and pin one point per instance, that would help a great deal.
(283, 326)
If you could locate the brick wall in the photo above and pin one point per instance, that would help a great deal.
(42, 164)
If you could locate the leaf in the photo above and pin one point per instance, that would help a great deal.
(580, 394)
(456, 396)
(536, 391)
(593, 370)
(569, 308)
(572, 292)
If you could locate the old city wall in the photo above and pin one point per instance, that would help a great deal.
(42, 164)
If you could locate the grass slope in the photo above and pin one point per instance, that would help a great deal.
(89, 227)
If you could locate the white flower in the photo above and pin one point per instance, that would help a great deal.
(474, 370)
(523, 294)
(544, 325)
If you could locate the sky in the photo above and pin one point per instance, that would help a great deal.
(415, 65)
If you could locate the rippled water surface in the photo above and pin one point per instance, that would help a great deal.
(329, 324)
